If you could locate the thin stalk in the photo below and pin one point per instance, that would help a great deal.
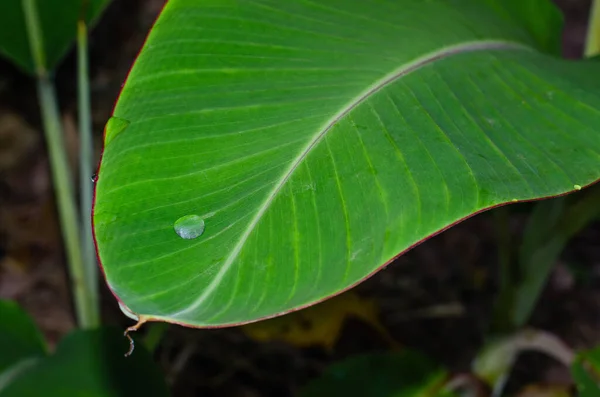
(63, 187)
(563, 218)
(67, 208)
(155, 334)
(86, 153)
(592, 42)
(502, 314)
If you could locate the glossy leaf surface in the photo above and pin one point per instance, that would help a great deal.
(316, 141)
(58, 20)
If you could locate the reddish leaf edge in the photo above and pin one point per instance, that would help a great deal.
(142, 318)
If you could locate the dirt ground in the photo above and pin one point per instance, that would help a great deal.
(436, 298)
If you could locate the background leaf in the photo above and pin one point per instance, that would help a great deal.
(91, 363)
(551, 225)
(586, 372)
(544, 23)
(19, 337)
(404, 374)
(58, 19)
(318, 140)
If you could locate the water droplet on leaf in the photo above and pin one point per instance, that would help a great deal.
(114, 127)
(95, 178)
(577, 187)
(189, 227)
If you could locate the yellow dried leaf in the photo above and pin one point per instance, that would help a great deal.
(321, 324)
(545, 391)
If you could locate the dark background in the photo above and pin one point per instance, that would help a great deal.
(436, 298)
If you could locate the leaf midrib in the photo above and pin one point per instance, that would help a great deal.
(364, 95)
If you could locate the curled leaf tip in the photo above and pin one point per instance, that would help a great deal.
(132, 329)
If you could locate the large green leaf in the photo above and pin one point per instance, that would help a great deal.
(91, 363)
(58, 24)
(19, 337)
(406, 374)
(308, 143)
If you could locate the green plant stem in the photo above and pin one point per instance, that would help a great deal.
(592, 42)
(86, 153)
(502, 316)
(34, 35)
(63, 187)
(558, 221)
(155, 333)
